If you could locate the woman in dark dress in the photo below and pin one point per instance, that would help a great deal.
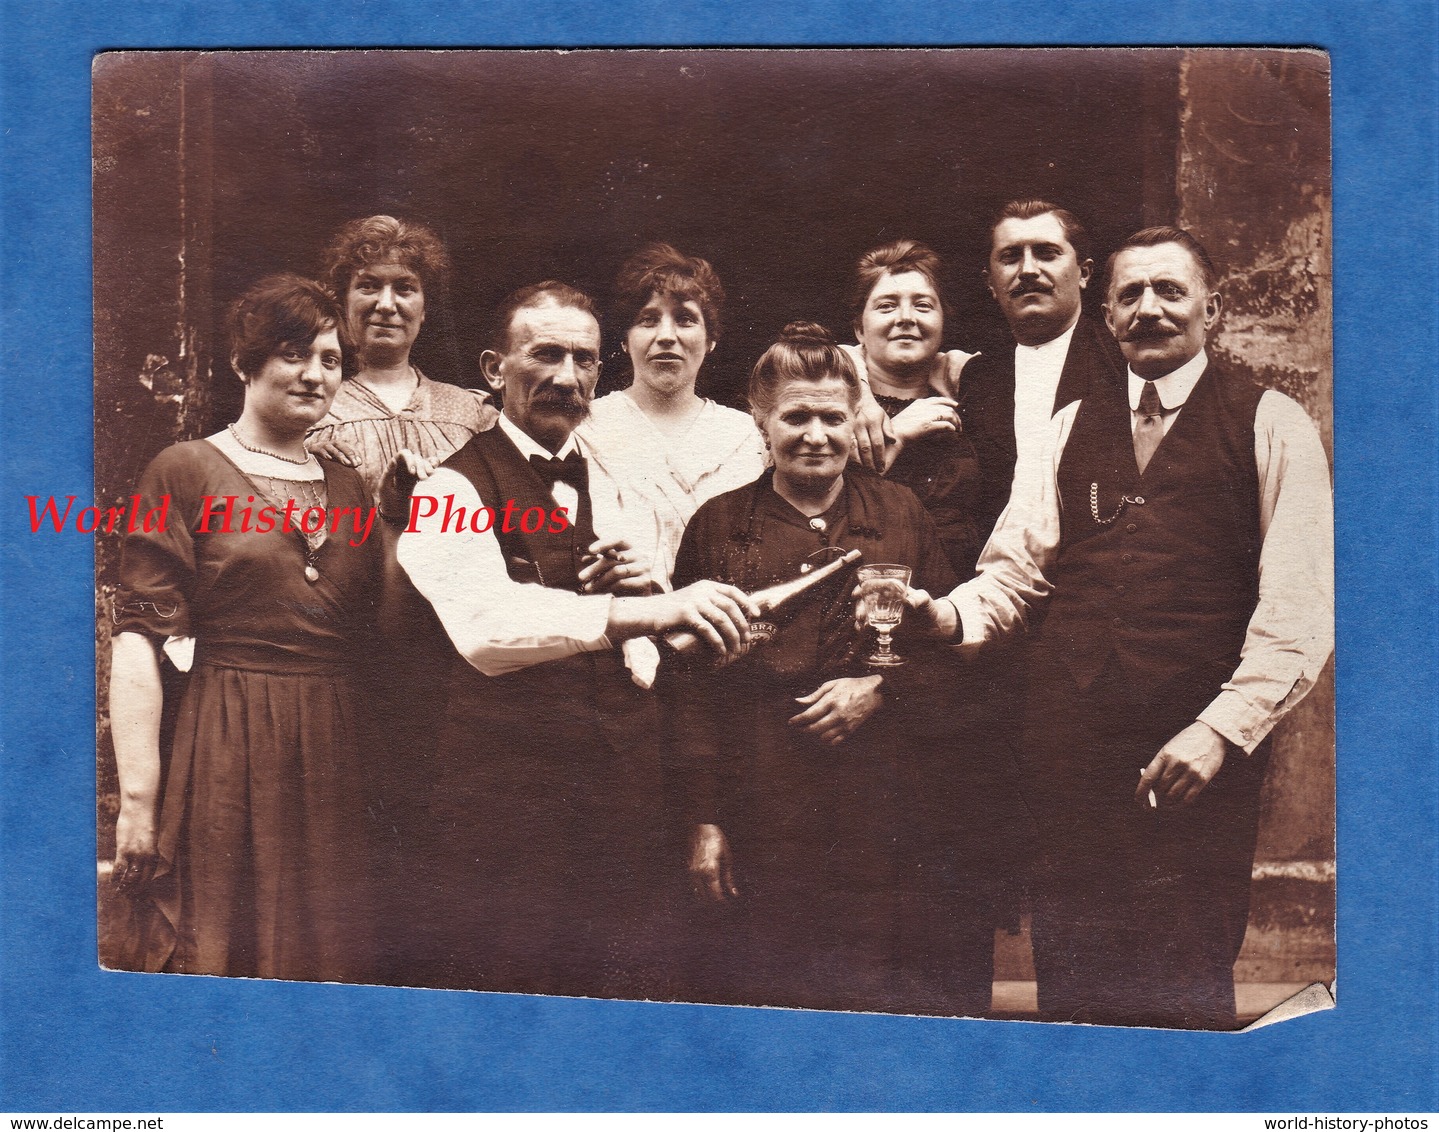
(967, 826)
(899, 324)
(250, 842)
(795, 755)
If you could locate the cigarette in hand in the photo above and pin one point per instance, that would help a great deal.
(1153, 801)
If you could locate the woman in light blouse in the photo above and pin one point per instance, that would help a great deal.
(669, 448)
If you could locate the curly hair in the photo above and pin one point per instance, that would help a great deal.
(661, 269)
(376, 239)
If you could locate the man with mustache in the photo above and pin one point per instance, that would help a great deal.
(1039, 266)
(1180, 535)
(1038, 270)
(546, 858)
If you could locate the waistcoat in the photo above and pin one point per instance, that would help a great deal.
(571, 691)
(1160, 570)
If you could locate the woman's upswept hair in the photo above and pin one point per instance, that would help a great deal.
(376, 239)
(661, 269)
(279, 310)
(894, 259)
(805, 352)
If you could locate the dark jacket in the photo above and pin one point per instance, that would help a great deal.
(987, 405)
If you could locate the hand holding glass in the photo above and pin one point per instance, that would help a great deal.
(882, 588)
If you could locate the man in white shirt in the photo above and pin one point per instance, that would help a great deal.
(546, 869)
(1038, 269)
(1180, 535)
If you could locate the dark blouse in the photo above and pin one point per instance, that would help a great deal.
(726, 719)
(943, 471)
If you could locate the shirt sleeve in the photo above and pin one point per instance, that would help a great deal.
(1010, 577)
(621, 513)
(497, 624)
(1291, 635)
(157, 566)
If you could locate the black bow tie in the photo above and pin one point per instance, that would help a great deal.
(572, 470)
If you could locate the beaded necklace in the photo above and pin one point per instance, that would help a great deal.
(258, 451)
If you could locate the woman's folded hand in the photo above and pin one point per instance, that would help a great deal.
(837, 708)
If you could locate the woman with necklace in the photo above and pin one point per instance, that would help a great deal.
(250, 841)
(667, 447)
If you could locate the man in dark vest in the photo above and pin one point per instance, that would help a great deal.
(1182, 534)
(548, 812)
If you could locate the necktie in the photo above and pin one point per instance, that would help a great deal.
(572, 470)
(1150, 429)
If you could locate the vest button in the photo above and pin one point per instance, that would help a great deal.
(1132, 527)
(1119, 622)
(1126, 558)
(1119, 589)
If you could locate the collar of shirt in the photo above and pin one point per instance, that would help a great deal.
(564, 494)
(529, 446)
(1174, 387)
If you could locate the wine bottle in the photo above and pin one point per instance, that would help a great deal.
(686, 641)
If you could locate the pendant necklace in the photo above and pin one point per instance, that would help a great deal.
(275, 492)
(312, 497)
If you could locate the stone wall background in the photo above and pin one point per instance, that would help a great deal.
(1253, 184)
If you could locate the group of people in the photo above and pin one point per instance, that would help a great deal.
(590, 758)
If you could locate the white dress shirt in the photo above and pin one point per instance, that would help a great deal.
(722, 449)
(498, 624)
(1037, 370)
(1291, 633)
(1173, 388)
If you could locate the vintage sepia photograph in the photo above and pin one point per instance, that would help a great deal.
(836, 529)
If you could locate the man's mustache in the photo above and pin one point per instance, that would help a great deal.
(561, 399)
(1148, 334)
(1030, 287)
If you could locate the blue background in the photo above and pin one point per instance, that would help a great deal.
(76, 1038)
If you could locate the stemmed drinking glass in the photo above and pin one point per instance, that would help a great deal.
(882, 587)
